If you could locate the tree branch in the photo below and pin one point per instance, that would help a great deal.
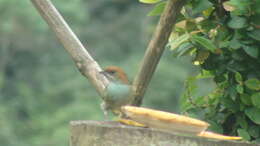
(83, 60)
(155, 49)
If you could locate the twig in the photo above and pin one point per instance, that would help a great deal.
(84, 62)
(155, 49)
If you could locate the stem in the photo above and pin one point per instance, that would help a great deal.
(155, 49)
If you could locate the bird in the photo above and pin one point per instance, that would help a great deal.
(117, 92)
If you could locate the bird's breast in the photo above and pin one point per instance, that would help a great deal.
(117, 91)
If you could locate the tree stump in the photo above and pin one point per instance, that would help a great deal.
(111, 133)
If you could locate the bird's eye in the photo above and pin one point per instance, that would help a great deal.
(112, 72)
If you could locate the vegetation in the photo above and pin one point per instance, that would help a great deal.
(41, 89)
(223, 37)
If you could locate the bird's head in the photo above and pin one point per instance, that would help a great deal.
(115, 74)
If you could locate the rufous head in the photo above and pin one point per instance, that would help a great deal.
(115, 73)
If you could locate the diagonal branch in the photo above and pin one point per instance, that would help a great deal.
(155, 49)
(84, 62)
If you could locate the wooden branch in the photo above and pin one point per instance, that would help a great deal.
(84, 62)
(155, 49)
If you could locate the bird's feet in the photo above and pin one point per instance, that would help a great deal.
(130, 122)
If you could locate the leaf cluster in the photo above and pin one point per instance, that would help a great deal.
(223, 37)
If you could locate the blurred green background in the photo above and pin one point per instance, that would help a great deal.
(41, 90)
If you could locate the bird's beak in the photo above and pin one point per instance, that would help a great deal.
(104, 73)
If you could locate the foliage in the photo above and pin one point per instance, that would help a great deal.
(223, 38)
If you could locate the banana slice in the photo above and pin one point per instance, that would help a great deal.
(164, 120)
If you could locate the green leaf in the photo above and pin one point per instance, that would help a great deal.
(214, 126)
(255, 20)
(242, 107)
(242, 121)
(256, 99)
(235, 44)
(230, 104)
(190, 26)
(241, 6)
(237, 56)
(253, 84)
(232, 92)
(201, 5)
(204, 74)
(206, 43)
(253, 114)
(244, 134)
(255, 34)
(237, 22)
(255, 7)
(158, 9)
(251, 51)
(180, 40)
(245, 98)
(254, 131)
(201, 56)
(247, 41)
(184, 49)
(149, 1)
(238, 77)
(200, 100)
(240, 89)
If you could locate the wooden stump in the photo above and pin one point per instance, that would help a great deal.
(110, 133)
